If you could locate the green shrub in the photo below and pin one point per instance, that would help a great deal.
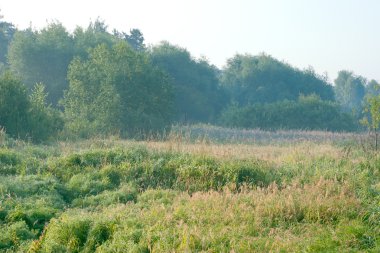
(81, 185)
(66, 234)
(9, 162)
(26, 117)
(149, 174)
(44, 121)
(14, 106)
(124, 194)
(24, 186)
(36, 217)
(99, 233)
(12, 234)
(308, 113)
(66, 167)
(149, 197)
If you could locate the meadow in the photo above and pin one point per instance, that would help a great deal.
(202, 189)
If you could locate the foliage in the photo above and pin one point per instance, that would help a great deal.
(135, 39)
(43, 57)
(263, 79)
(198, 97)
(372, 88)
(95, 34)
(116, 90)
(45, 122)
(372, 114)
(349, 91)
(24, 116)
(373, 109)
(308, 113)
(195, 90)
(7, 31)
(14, 106)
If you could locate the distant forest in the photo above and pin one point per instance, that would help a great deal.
(94, 82)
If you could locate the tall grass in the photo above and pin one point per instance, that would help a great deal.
(189, 195)
(257, 136)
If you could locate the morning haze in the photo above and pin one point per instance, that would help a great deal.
(189, 126)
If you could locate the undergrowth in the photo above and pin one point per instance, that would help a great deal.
(131, 198)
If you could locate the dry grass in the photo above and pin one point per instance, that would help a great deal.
(272, 153)
(278, 155)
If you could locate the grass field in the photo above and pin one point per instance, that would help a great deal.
(191, 193)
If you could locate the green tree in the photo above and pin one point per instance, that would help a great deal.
(263, 79)
(95, 34)
(307, 113)
(14, 106)
(43, 56)
(198, 96)
(371, 117)
(7, 30)
(116, 90)
(349, 91)
(135, 39)
(372, 88)
(26, 117)
(44, 121)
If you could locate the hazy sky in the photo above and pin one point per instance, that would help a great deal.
(329, 35)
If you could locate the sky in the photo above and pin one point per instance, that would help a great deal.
(329, 35)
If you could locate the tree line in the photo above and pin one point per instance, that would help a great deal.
(93, 82)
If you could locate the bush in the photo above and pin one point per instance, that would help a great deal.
(36, 185)
(308, 113)
(44, 121)
(26, 117)
(9, 162)
(66, 234)
(14, 106)
(13, 234)
(81, 185)
(123, 195)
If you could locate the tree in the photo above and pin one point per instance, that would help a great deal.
(372, 88)
(135, 39)
(116, 90)
(263, 79)
(307, 113)
(23, 116)
(198, 96)
(44, 121)
(14, 106)
(371, 117)
(7, 30)
(95, 34)
(349, 91)
(43, 57)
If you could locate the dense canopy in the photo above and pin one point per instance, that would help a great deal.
(97, 83)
